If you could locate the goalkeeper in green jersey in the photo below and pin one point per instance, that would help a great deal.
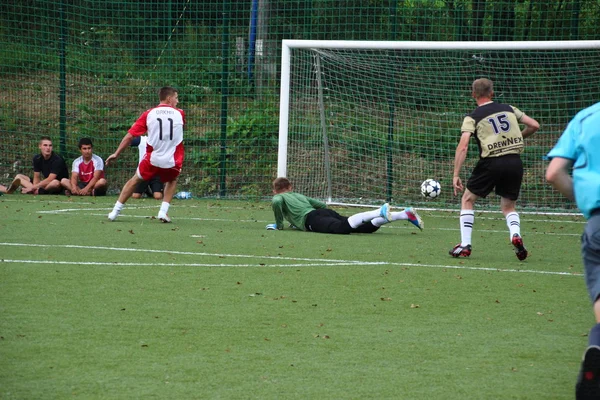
(312, 215)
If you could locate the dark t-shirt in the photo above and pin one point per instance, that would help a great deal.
(54, 165)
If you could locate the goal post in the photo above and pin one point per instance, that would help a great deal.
(363, 122)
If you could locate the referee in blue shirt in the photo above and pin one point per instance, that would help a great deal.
(579, 148)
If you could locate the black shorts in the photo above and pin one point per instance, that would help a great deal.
(61, 190)
(150, 187)
(504, 173)
(325, 220)
(44, 191)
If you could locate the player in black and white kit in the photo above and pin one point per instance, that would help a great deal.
(496, 128)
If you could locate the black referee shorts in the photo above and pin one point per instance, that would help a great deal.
(504, 173)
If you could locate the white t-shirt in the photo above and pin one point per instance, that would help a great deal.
(164, 144)
(86, 170)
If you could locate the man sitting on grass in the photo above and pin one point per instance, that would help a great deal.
(312, 215)
(87, 174)
(50, 174)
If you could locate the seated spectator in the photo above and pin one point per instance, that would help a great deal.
(50, 174)
(87, 173)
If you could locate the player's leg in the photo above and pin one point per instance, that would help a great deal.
(480, 184)
(369, 227)
(509, 175)
(128, 189)
(325, 220)
(125, 194)
(588, 382)
(409, 214)
(169, 177)
(467, 220)
(513, 222)
(359, 219)
(169, 190)
(145, 171)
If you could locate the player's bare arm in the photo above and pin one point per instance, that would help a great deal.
(558, 176)
(531, 126)
(459, 159)
(125, 143)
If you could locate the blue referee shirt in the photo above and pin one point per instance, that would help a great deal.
(580, 142)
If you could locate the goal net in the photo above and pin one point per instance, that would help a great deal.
(365, 122)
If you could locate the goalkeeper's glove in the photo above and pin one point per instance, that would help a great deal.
(271, 227)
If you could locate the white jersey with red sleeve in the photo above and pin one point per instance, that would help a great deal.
(164, 125)
(86, 170)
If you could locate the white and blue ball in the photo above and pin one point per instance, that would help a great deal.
(431, 188)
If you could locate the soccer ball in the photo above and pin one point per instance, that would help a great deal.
(430, 188)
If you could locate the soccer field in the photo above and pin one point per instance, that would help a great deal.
(213, 306)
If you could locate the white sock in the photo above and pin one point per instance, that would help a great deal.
(467, 218)
(164, 207)
(396, 216)
(357, 220)
(514, 223)
(118, 206)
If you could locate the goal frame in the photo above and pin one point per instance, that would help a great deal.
(287, 46)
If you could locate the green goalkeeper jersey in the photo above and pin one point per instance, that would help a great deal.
(293, 207)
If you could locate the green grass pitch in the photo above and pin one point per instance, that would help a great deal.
(213, 306)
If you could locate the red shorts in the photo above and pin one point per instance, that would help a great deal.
(147, 171)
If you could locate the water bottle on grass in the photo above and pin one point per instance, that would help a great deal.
(183, 195)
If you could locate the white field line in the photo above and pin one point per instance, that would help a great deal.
(497, 218)
(186, 253)
(311, 261)
(266, 222)
(387, 226)
(129, 264)
(68, 210)
(347, 205)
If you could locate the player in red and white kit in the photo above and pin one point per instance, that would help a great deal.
(87, 172)
(164, 150)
